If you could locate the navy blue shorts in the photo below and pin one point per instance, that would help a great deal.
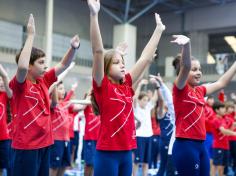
(208, 143)
(143, 152)
(113, 163)
(4, 154)
(220, 157)
(190, 157)
(89, 148)
(31, 162)
(60, 154)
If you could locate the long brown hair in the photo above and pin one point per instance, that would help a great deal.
(109, 54)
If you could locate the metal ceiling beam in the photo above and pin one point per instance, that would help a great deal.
(127, 7)
(132, 19)
(111, 14)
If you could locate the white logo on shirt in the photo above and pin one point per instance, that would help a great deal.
(3, 110)
(36, 103)
(195, 105)
(124, 106)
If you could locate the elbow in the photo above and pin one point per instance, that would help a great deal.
(96, 51)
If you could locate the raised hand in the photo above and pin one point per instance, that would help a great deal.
(31, 25)
(143, 82)
(75, 42)
(122, 48)
(159, 23)
(94, 6)
(156, 79)
(180, 39)
(3, 72)
(74, 86)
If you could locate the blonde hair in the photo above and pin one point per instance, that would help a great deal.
(108, 56)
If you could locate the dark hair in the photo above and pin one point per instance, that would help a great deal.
(176, 63)
(35, 54)
(141, 95)
(217, 105)
(94, 104)
(210, 97)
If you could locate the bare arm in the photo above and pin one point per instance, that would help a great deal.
(157, 81)
(227, 131)
(5, 79)
(161, 104)
(67, 59)
(24, 59)
(185, 63)
(222, 81)
(54, 97)
(61, 77)
(149, 50)
(137, 91)
(96, 40)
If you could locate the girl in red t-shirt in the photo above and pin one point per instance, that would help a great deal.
(112, 88)
(5, 95)
(189, 154)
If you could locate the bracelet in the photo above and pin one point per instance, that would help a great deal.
(157, 87)
(74, 47)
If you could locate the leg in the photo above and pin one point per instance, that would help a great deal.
(135, 169)
(145, 169)
(204, 162)
(88, 170)
(107, 159)
(125, 167)
(186, 157)
(23, 160)
(53, 172)
(164, 154)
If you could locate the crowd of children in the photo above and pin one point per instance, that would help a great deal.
(125, 126)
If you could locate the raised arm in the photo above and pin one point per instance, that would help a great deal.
(149, 50)
(138, 90)
(5, 79)
(160, 100)
(67, 59)
(96, 40)
(24, 59)
(185, 63)
(222, 81)
(61, 77)
(54, 97)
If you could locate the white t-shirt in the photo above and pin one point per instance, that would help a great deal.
(144, 116)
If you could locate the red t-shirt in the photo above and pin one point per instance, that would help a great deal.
(155, 126)
(72, 115)
(230, 118)
(220, 140)
(92, 124)
(4, 133)
(32, 125)
(60, 122)
(209, 115)
(189, 107)
(117, 131)
(10, 126)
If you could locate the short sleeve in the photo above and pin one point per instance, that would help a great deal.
(128, 82)
(16, 86)
(202, 90)
(50, 77)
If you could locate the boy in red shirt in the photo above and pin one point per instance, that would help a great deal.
(32, 133)
(221, 130)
